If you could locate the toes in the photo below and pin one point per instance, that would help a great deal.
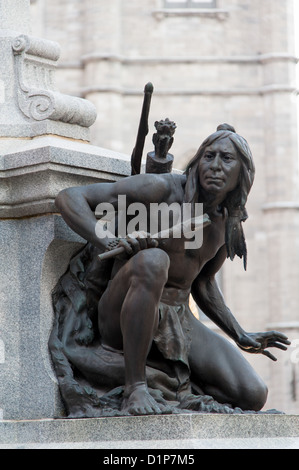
(144, 410)
(140, 402)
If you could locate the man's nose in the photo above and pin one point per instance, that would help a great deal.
(216, 163)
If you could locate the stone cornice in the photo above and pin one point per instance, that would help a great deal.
(258, 59)
(278, 205)
(33, 171)
(241, 91)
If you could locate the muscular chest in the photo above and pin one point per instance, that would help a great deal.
(186, 263)
(204, 246)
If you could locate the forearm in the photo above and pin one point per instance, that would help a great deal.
(210, 300)
(77, 213)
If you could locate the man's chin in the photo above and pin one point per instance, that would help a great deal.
(214, 188)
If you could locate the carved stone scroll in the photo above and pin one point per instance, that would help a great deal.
(35, 63)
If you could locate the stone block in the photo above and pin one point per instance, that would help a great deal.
(34, 253)
(35, 248)
(15, 15)
(186, 431)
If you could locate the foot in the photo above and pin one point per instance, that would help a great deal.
(138, 401)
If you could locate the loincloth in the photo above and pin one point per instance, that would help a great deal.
(173, 337)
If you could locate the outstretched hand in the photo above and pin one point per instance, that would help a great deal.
(257, 343)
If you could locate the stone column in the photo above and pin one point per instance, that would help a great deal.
(44, 147)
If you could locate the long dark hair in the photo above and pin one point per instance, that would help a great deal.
(236, 200)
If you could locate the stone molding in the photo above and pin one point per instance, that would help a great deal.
(285, 325)
(32, 173)
(280, 205)
(242, 91)
(216, 13)
(201, 60)
(35, 61)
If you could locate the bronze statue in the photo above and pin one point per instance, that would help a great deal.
(124, 324)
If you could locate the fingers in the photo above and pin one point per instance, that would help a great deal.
(141, 241)
(153, 243)
(136, 244)
(273, 339)
(260, 342)
(268, 354)
(137, 241)
(126, 245)
(276, 336)
(275, 344)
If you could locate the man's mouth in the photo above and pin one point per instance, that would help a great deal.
(214, 179)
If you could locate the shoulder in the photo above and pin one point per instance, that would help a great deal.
(173, 183)
(145, 188)
(154, 187)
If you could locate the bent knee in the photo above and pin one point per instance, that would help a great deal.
(151, 266)
(254, 397)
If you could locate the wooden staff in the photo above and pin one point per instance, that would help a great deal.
(136, 156)
(197, 223)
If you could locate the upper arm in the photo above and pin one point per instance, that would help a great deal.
(143, 188)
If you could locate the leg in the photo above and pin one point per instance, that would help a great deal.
(223, 372)
(128, 318)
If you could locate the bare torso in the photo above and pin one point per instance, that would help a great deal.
(190, 261)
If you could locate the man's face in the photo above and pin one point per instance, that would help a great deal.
(219, 168)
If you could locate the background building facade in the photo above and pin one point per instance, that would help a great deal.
(210, 62)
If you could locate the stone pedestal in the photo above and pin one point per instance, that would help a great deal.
(35, 247)
(44, 147)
